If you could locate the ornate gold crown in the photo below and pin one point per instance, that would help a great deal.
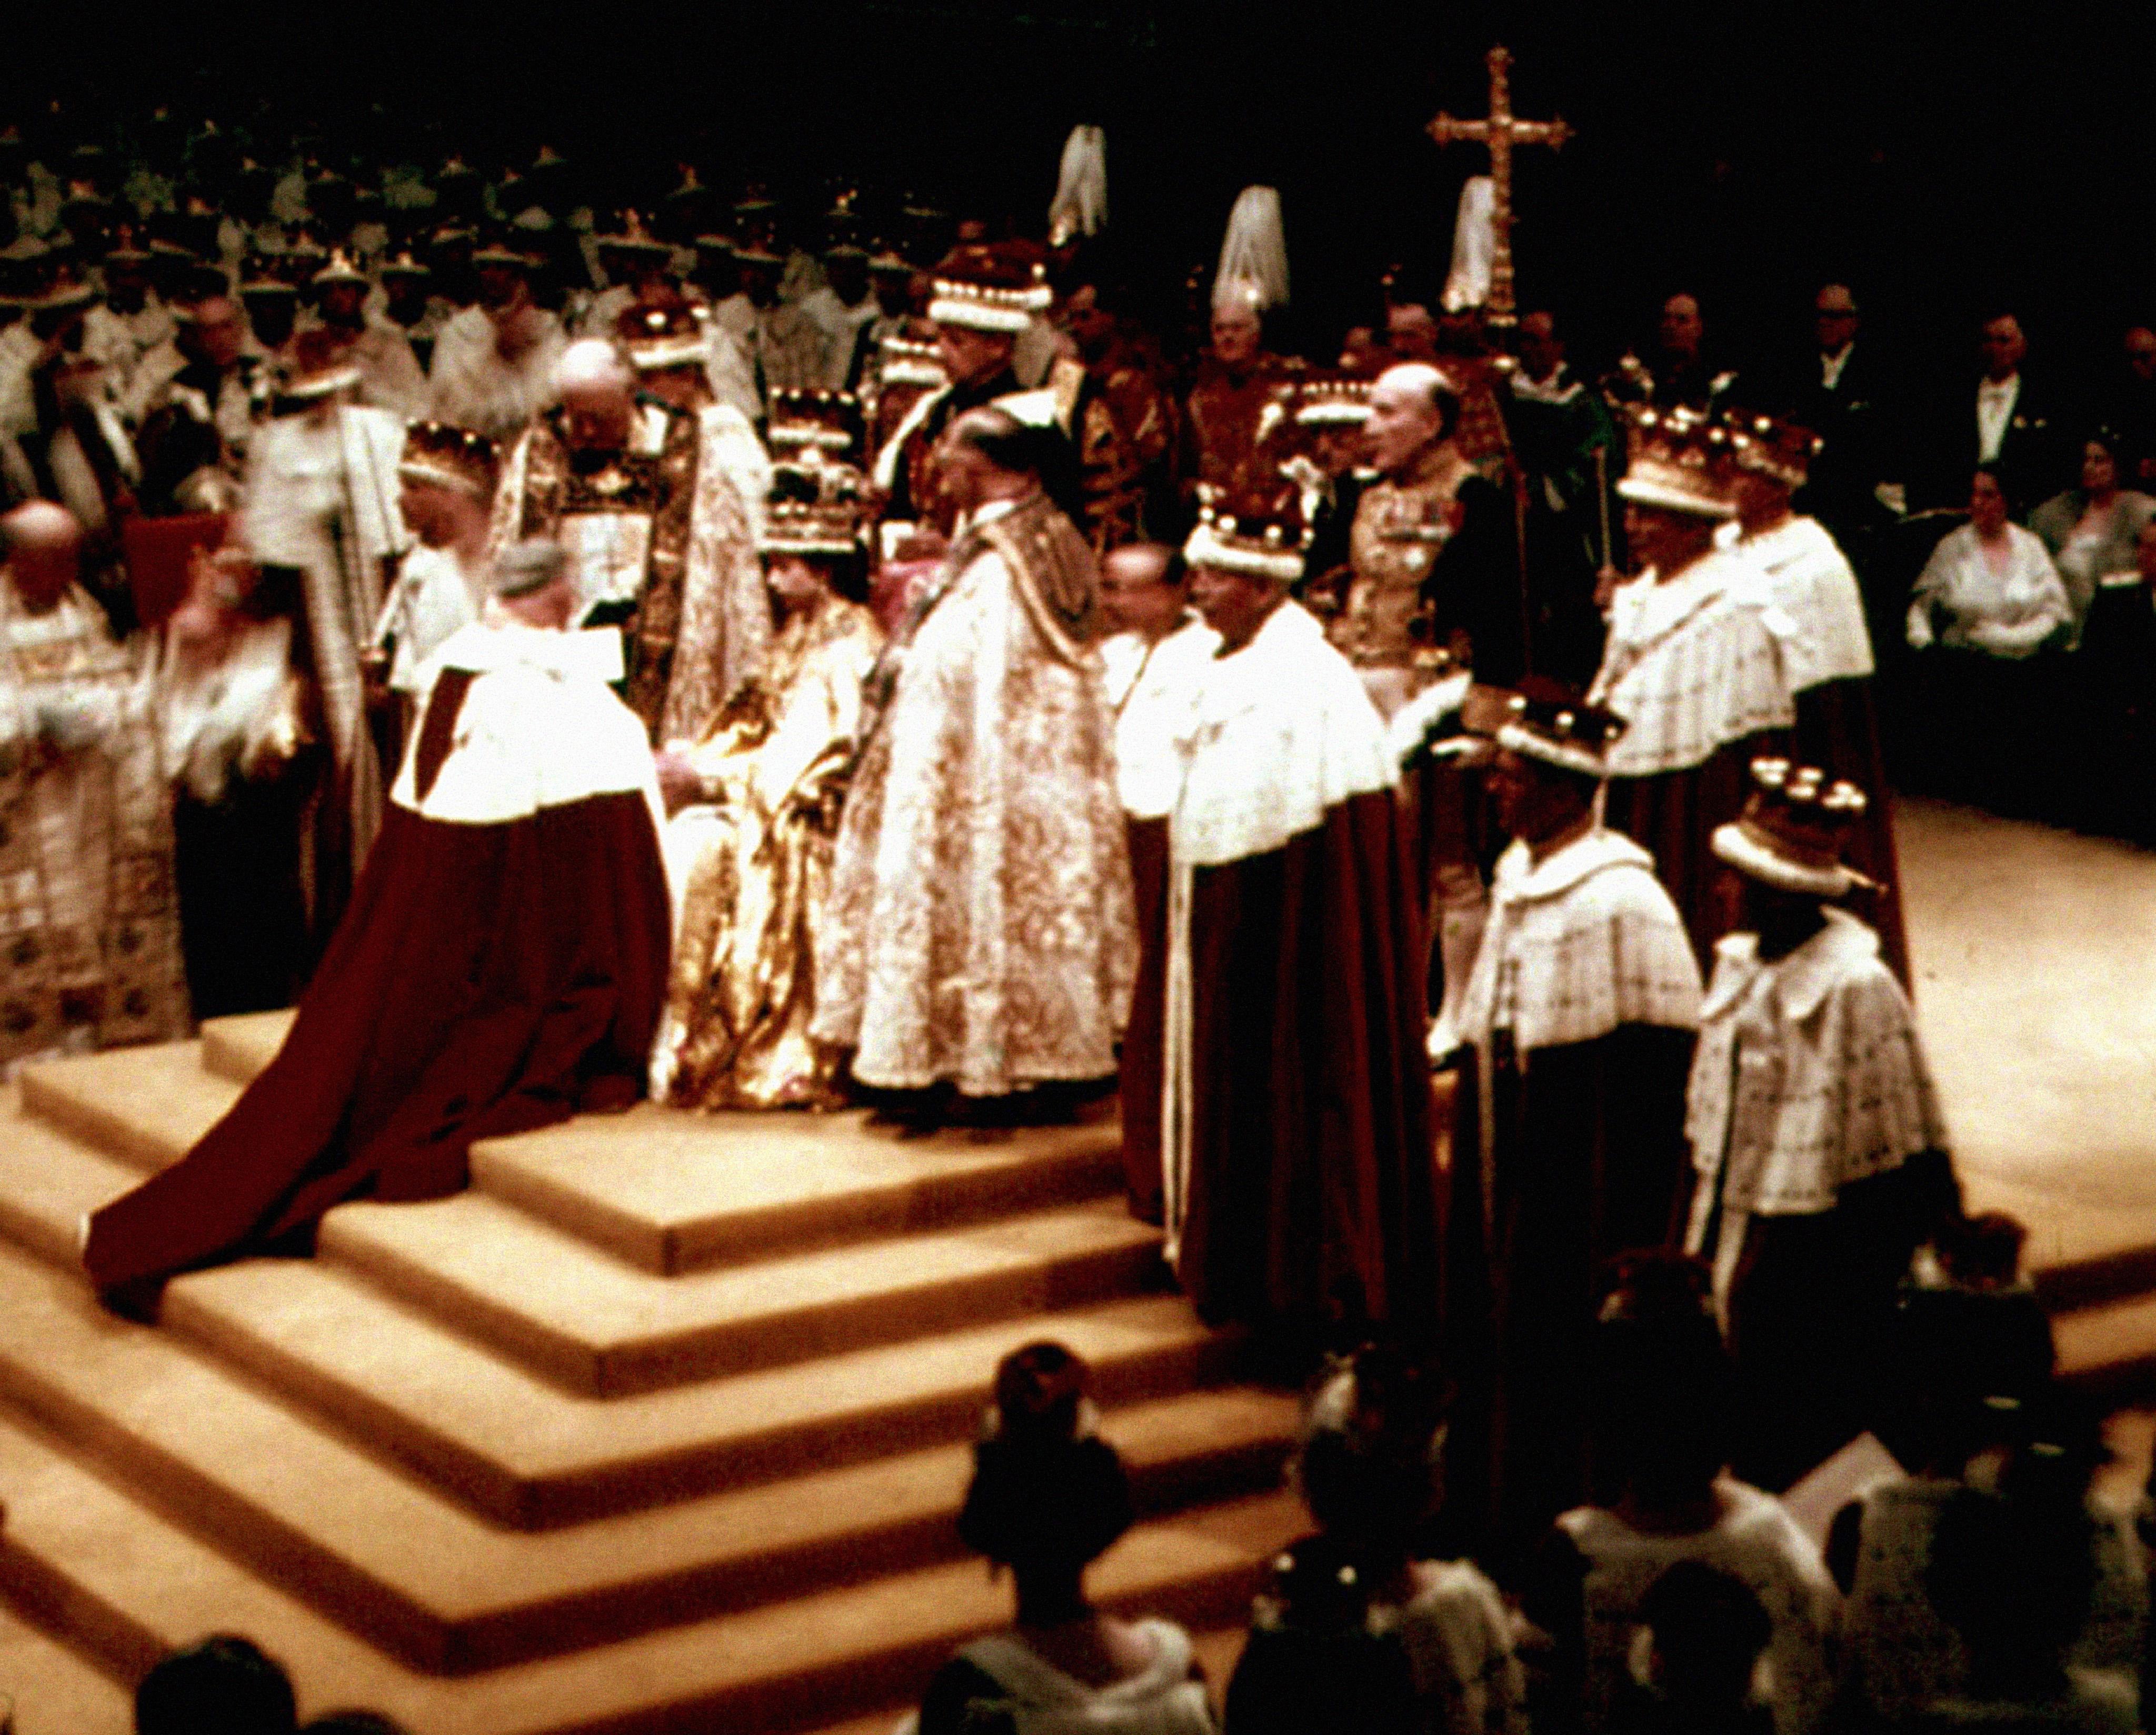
(662, 337)
(1330, 398)
(1545, 722)
(1676, 456)
(991, 286)
(1793, 829)
(1260, 536)
(815, 507)
(1772, 446)
(804, 419)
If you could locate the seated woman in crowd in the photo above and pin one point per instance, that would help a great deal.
(1048, 1497)
(1987, 603)
(1367, 1472)
(2089, 531)
(1662, 1422)
(754, 806)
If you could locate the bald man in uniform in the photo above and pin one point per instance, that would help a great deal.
(1436, 588)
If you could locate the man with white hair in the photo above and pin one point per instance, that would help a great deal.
(86, 901)
(659, 541)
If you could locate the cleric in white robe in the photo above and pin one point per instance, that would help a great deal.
(502, 965)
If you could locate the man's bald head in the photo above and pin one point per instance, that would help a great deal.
(1410, 408)
(598, 385)
(1143, 588)
(591, 364)
(987, 454)
(44, 545)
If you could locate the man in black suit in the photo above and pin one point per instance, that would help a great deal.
(1843, 394)
(2005, 421)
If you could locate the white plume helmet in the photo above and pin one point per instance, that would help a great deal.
(1253, 270)
(1473, 246)
(1080, 204)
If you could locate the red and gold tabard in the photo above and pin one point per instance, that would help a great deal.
(1221, 422)
(1126, 429)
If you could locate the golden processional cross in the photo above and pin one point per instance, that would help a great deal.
(1500, 132)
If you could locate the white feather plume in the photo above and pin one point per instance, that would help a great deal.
(1080, 204)
(1254, 253)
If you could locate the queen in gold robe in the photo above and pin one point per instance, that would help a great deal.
(754, 804)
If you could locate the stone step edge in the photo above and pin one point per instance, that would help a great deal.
(479, 1468)
(688, 1244)
(125, 1638)
(1125, 1264)
(446, 1629)
(1121, 1258)
(1086, 1170)
(473, 1471)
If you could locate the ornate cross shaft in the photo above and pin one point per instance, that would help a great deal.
(1500, 132)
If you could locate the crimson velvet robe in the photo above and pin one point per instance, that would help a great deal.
(502, 966)
(1568, 1149)
(1301, 1182)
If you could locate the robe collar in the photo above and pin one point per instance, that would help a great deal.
(488, 645)
(1804, 978)
(1520, 880)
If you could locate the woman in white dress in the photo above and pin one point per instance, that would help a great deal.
(1987, 616)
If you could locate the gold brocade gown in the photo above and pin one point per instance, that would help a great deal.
(751, 857)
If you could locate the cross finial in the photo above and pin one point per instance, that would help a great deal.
(1500, 132)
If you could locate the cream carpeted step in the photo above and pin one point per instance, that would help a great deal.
(670, 1191)
(146, 1105)
(50, 1182)
(236, 1049)
(599, 1325)
(665, 1190)
(521, 1450)
(2088, 1242)
(2109, 1350)
(514, 1444)
(50, 1689)
(138, 1585)
(446, 1588)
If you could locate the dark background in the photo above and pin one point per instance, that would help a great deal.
(1942, 159)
